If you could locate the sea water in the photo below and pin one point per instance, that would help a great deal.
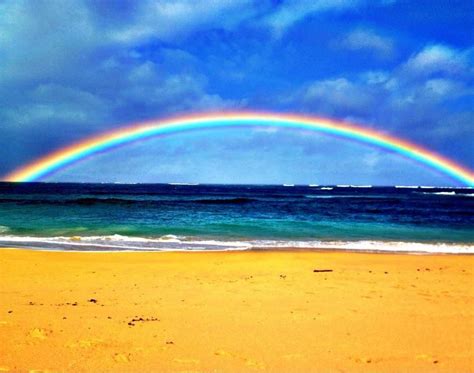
(182, 216)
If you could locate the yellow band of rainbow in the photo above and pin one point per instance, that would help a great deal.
(66, 156)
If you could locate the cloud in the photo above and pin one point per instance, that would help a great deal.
(368, 40)
(168, 20)
(405, 100)
(69, 69)
(333, 96)
(171, 93)
(437, 59)
(290, 12)
(61, 35)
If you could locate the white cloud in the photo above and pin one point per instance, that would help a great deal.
(398, 99)
(166, 20)
(444, 88)
(436, 59)
(368, 40)
(56, 104)
(374, 77)
(334, 95)
(292, 11)
(172, 92)
(53, 38)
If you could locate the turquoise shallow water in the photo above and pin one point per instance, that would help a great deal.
(159, 216)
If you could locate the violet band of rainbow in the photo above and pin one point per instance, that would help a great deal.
(68, 155)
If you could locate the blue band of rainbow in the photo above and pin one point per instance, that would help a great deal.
(66, 156)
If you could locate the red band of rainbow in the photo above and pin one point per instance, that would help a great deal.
(66, 156)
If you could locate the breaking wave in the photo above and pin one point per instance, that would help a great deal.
(176, 243)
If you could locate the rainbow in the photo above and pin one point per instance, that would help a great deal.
(66, 156)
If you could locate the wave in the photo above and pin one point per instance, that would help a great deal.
(176, 243)
(327, 188)
(87, 201)
(386, 199)
(220, 201)
(432, 187)
(448, 194)
(441, 193)
(193, 184)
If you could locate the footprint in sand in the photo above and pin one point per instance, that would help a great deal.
(38, 333)
(249, 362)
(254, 364)
(366, 360)
(122, 358)
(85, 343)
(427, 358)
(186, 361)
(223, 353)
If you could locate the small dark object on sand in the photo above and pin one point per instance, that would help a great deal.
(141, 319)
(92, 300)
(322, 270)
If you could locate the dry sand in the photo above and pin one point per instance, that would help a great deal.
(235, 312)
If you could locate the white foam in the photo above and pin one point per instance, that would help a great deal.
(383, 246)
(327, 188)
(183, 184)
(175, 243)
(407, 186)
(4, 229)
(449, 194)
(441, 193)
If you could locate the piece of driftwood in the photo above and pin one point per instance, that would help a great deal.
(322, 270)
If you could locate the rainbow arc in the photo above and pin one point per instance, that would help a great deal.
(56, 161)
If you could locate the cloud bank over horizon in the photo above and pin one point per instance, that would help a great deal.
(73, 69)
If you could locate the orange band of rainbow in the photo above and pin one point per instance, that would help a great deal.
(68, 155)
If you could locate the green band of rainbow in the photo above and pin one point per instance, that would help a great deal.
(75, 152)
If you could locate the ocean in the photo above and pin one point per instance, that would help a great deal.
(114, 217)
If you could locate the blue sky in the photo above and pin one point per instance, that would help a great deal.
(72, 69)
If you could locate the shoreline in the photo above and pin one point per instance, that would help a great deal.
(202, 312)
(253, 249)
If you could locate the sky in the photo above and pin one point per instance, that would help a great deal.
(74, 69)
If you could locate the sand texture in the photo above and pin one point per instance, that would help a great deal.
(235, 312)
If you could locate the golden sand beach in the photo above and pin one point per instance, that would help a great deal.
(235, 312)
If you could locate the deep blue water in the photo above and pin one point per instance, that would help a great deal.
(162, 216)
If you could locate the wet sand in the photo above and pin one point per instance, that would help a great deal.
(236, 312)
